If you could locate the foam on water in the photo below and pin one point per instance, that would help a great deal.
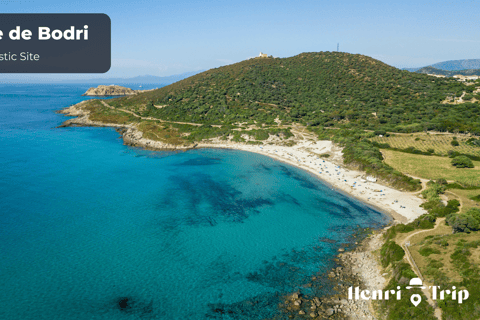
(92, 229)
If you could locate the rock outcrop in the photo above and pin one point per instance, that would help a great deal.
(112, 90)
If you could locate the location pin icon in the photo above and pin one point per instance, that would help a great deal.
(416, 299)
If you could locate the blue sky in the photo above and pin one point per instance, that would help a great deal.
(171, 37)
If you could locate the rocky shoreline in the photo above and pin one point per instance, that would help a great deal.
(130, 134)
(364, 264)
(357, 267)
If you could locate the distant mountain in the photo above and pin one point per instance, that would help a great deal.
(458, 64)
(451, 65)
(135, 80)
(138, 79)
(432, 70)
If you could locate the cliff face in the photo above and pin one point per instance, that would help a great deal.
(102, 90)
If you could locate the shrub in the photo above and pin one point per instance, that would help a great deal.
(466, 222)
(442, 181)
(455, 143)
(433, 191)
(444, 243)
(474, 142)
(391, 252)
(462, 162)
(456, 185)
(427, 221)
(426, 251)
(404, 228)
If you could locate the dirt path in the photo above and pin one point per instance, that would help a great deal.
(423, 182)
(299, 132)
(438, 311)
(455, 196)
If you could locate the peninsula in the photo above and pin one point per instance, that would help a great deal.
(353, 121)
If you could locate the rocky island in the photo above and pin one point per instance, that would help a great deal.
(111, 90)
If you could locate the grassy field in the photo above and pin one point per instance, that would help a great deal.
(100, 113)
(442, 229)
(419, 241)
(441, 143)
(160, 132)
(439, 260)
(432, 167)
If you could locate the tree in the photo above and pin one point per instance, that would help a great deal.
(462, 162)
(466, 222)
(463, 223)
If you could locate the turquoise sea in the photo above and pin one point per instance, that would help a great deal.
(93, 229)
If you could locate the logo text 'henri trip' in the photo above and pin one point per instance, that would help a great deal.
(437, 294)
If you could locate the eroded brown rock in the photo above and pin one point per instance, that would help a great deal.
(112, 90)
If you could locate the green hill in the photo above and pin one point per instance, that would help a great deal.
(328, 89)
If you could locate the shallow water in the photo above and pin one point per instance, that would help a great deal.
(86, 222)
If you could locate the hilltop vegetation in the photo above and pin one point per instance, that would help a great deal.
(328, 89)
